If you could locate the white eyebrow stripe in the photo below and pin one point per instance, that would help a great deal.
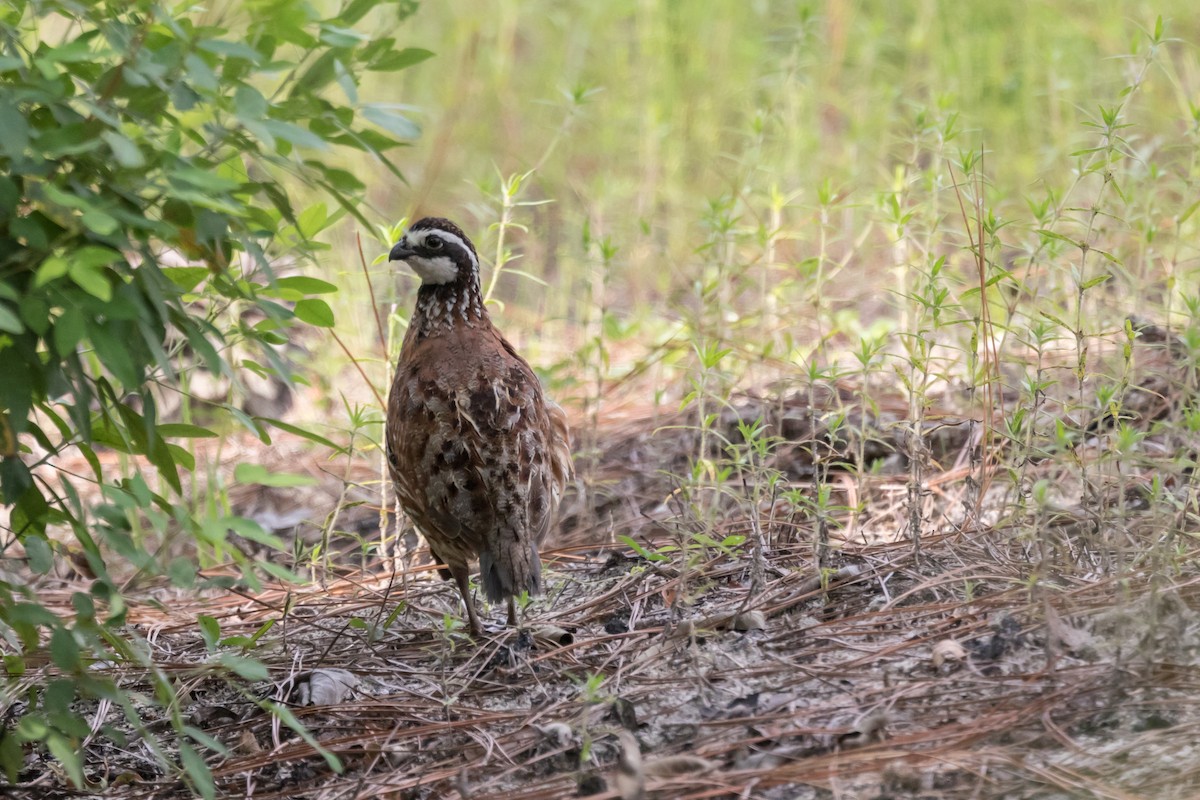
(417, 239)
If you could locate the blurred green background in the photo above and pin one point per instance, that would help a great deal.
(785, 161)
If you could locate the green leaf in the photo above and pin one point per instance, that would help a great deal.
(290, 428)
(64, 650)
(78, 50)
(182, 457)
(335, 36)
(12, 757)
(225, 47)
(249, 104)
(314, 312)
(206, 180)
(249, 423)
(182, 572)
(394, 60)
(286, 716)
(258, 474)
(317, 75)
(186, 278)
(69, 330)
(92, 279)
(182, 430)
(262, 629)
(199, 773)
(99, 222)
(202, 738)
(312, 220)
(356, 10)
(248, 668)
(387, 117)
(32, 729)
(641, 551)
(37, 550)
(9, 321)
(68, 757)
(249, 529)
(124, 150)
(210, 630)
(14, 131)
(294, 134)
(305, 285)
(282, 573)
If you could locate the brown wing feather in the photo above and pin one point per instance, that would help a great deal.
(478, 455)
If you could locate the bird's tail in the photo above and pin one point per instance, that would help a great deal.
(509, 568)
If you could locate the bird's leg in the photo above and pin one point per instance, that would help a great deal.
(512, 613)
(462, 578)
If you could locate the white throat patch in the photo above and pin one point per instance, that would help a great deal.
(433, 270)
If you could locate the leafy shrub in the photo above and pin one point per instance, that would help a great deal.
(151, 165)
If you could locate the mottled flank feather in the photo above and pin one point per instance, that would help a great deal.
(478, 454)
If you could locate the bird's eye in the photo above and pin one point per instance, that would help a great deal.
(433, 243)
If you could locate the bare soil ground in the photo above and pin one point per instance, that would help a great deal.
(1003, 659)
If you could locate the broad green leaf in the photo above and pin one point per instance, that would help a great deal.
(262, 630)
(294, 134)
(249, 423)
(114, 353)
(391, 120)
(68, 757)
(202, 738)
(210, 630)
(78, 50)
(356, 10)
(394, 60)
(285, 714)
(68, 330)
(258, 474)
(12, 757)
(225, 47)
(124, 150)
(100, 222)
(282, 573)
(248, 668)
(186, 278)
(182, 572)
(249, 104)
(290, 428)
(182, 430)
(14, 131)
(64, 650)
(335, 36)
(197, 771)
(312, 220)
(317, 75)
(32, 728)
(204, 179)
(640, 550)
(315, 312)
(9, 321)
(160, 455)
(37, 550)
(305, 285)
(249, 529)
(91, 256)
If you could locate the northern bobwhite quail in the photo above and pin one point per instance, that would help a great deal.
(478, 454)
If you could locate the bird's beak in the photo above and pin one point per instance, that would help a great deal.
(401, 252)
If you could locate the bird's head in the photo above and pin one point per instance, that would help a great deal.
(438, 251)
